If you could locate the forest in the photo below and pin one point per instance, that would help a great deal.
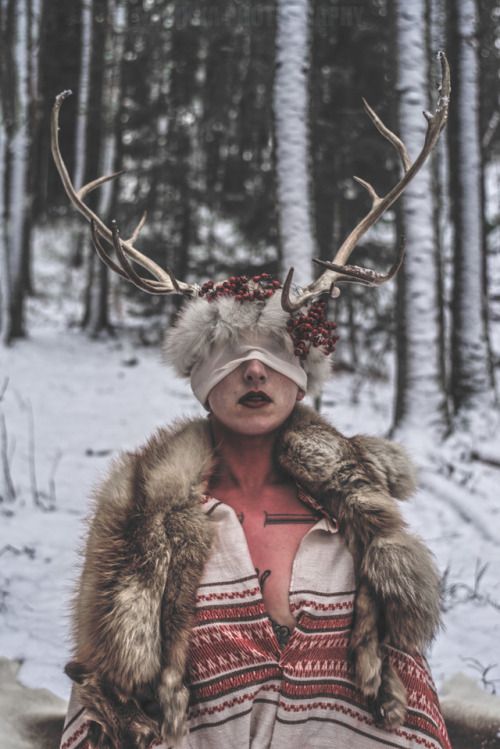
(238, 129)
(192, 101)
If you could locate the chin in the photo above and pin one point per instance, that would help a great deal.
(257, 429)
(255, 424)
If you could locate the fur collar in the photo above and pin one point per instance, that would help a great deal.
(176, 463)
(148, 542)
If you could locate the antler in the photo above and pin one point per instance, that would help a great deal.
(337, 270)
(164, 282)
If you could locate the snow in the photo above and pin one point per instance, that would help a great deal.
(29, 718)
(88, 400)
(483, 709)
(87, 403)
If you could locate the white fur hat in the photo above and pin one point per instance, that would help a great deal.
(203, 325)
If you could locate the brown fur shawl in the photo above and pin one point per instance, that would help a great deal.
(148, 542)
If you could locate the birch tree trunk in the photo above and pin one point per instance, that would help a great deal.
(471, 382)
(35, 16)
(81, 121)
(441, 192)
(4, 259)
(19, 158)
(35, 114)
(98, 313)
(291, 108)
(420, 398)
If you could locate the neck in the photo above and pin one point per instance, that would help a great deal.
(244, 461)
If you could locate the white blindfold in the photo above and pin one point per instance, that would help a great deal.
(206, 374)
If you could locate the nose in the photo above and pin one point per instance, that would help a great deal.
(255, 372)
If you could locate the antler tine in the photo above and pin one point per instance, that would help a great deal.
(337, 271)
(389, 135)
(96, 241)
(138, 228)
(164, 282)
(145, 284)
(126, 271)
(364, 276)
(286, 301)
(85, 189)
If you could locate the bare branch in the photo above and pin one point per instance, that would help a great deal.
(7, 489)
(3, 388)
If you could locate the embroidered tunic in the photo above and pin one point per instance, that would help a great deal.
(249, 690)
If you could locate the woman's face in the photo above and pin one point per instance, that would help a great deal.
(253, 399)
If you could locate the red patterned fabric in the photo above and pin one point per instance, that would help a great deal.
(248, 692)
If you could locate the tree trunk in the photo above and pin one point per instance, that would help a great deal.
(441, 191)
(471, 383)
(291, 109)
(4, 259)
(98, 313)
(19, 153)
(35, 112)
(420, 398)
(180, 196)
(81, 232)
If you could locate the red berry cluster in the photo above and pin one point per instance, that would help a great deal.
(306, 330)
(312, 329)
(242, 288)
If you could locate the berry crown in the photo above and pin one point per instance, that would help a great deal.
(307, 329)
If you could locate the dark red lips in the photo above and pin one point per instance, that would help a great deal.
(255, 398)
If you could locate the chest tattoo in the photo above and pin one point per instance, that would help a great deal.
(282, 633)
(287, 518)
(262, 577)
(282, 518)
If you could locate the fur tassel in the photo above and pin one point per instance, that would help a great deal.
(398, 598)
(146, 512)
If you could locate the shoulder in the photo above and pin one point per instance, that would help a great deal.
(311, 439)
(390, 460)
(174, 462)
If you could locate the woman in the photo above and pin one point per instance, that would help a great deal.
(235, 589)
(248, 578)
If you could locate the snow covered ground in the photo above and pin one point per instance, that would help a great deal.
(70, 405)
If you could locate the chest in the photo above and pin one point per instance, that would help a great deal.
(274, 526)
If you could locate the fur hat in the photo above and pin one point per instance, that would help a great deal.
(214, 320)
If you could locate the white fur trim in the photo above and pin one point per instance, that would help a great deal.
(202, 326)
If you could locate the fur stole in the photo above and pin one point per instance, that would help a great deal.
(149, 539)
